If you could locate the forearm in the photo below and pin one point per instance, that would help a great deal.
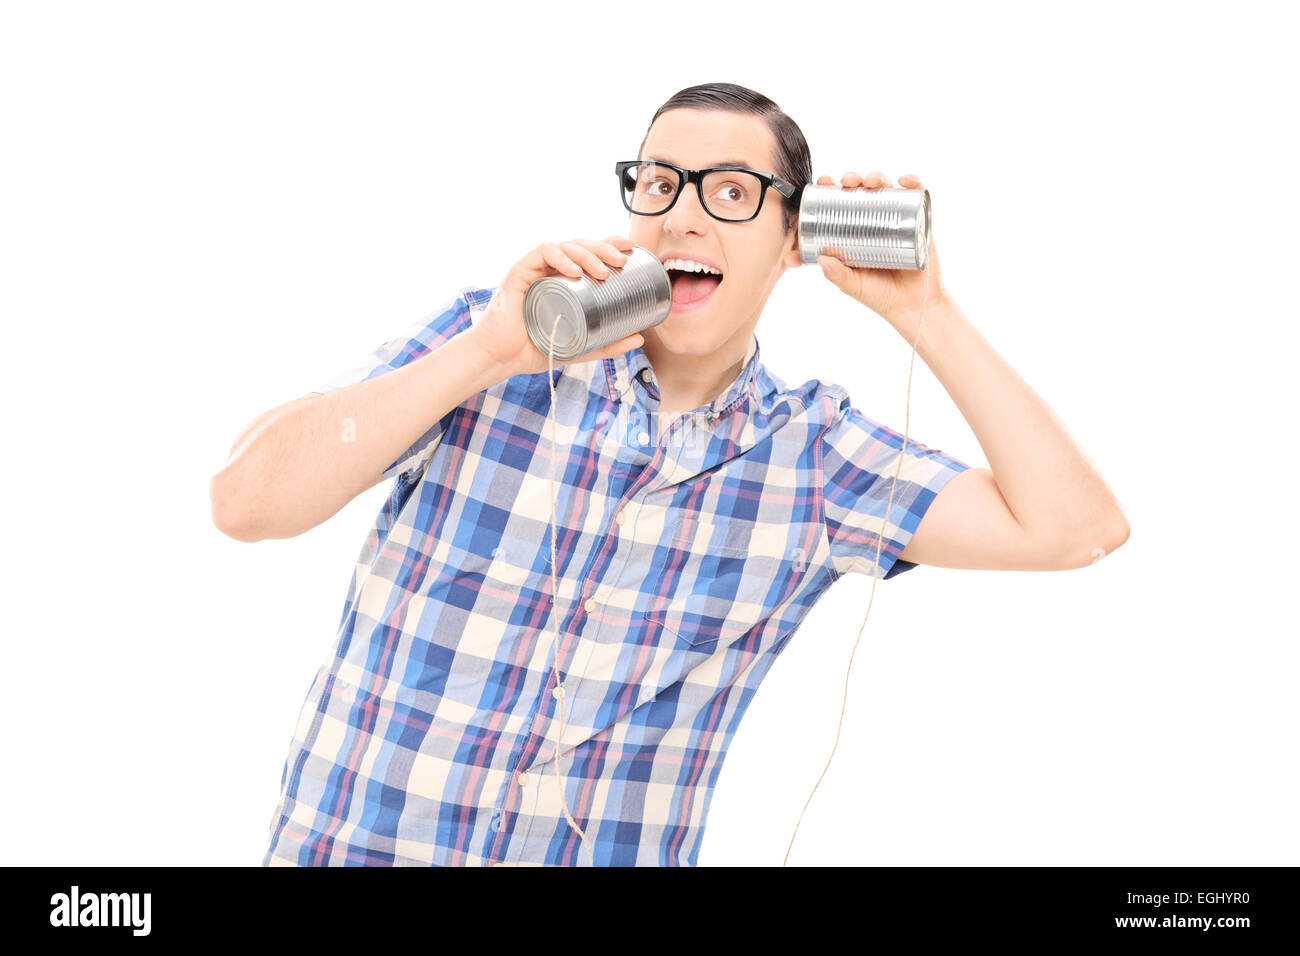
(298, 465)
(1048, 483)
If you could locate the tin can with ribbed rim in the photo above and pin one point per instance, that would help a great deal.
(865, 228)
(595, 312)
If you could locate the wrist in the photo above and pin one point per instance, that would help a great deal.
(905, 318)
(485, 368)
(939, 311)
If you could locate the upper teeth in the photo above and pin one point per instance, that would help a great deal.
(690, 265)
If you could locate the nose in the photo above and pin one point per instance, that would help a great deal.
(687, 215)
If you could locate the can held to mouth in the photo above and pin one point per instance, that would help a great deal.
(594, 312)
(865, 228)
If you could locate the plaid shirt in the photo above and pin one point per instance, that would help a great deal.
(685, 567)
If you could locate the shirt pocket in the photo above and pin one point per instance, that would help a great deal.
(510, 544)
(720, 579)
(516, 560)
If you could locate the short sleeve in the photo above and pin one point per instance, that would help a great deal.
(429, 333)
(859, 458)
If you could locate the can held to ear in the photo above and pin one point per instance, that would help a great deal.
(594, 312)
(865, 228)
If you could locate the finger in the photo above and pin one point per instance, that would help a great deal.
(835, 270)
(621, 242)
(909, 181)
(877, 180)
(825, 181)
(932, 263)
(558, 259)
(587, 259)
(607, 251)
(851, 180)
(625, 344)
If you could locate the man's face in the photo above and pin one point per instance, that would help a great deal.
(752, 255)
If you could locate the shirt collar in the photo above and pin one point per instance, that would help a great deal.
(622, 369)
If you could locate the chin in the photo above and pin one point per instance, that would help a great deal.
(682, 335)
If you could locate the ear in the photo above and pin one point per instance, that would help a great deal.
(790, 256)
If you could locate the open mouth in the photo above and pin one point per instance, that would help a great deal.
(692, 290)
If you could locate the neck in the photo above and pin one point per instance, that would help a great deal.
(687, 382)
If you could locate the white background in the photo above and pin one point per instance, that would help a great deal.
(210, 209)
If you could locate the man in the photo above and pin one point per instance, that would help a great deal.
(702, 507)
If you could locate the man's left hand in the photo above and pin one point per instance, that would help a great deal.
(890, 293)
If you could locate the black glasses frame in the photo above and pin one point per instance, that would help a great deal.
(696, 176)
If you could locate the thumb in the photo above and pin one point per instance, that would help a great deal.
(625, 344)
(833, 269)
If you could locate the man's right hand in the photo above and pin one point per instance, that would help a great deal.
(501, 333)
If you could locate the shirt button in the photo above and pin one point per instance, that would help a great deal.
(647, 376)
(643, 438)
(558, 691)
(590, 605)
(524, 779)
(620, 517)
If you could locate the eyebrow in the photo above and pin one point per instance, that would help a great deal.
(722, 162)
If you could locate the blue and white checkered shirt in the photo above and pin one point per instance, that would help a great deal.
(686, 563)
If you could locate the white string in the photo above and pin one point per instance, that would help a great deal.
(555, 597)
(879, 541)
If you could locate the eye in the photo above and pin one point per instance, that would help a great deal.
(731, 192)
(652, 186)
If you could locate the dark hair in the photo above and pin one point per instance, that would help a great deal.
(793, 162)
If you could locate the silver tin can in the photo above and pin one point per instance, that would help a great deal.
(865, 228)
(595, 312)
